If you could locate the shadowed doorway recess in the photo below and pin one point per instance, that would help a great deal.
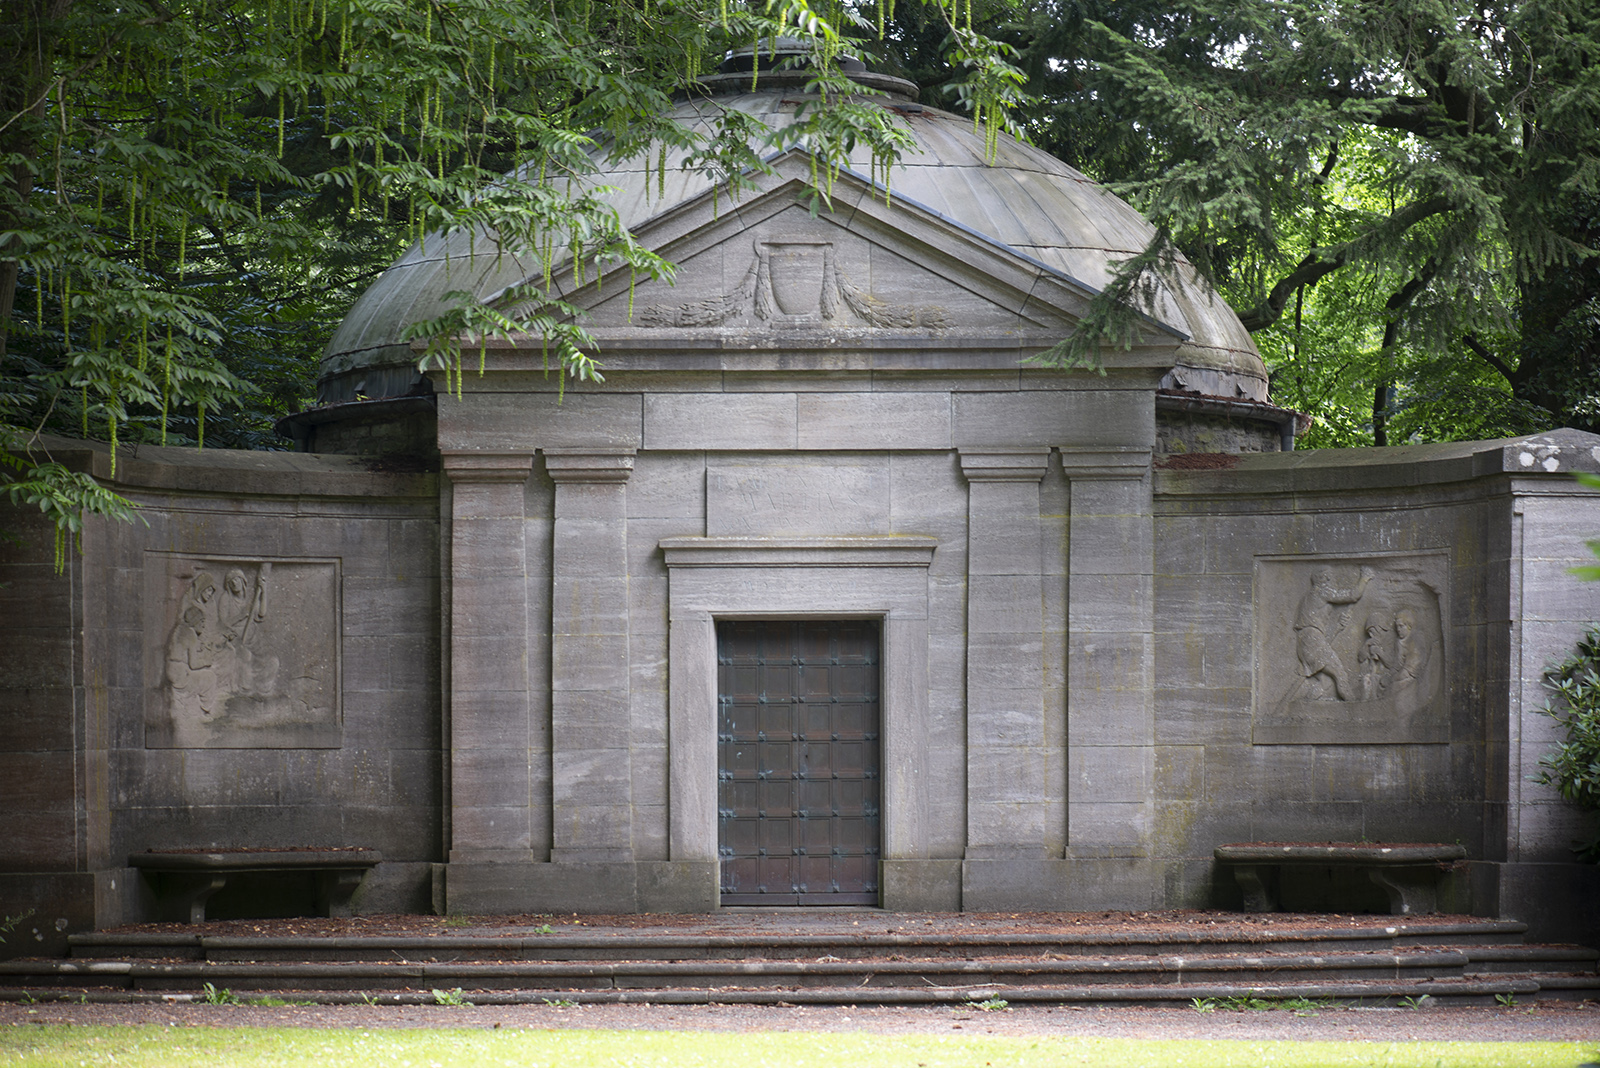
(798, 761)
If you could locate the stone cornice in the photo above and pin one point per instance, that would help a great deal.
(1004, 465)
(589, 464)
(1112, 462)
(472, 465)
(888, 550)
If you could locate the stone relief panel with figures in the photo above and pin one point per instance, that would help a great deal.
(1351, 650)
(241, 653)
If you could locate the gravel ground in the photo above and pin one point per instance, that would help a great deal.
(1545, 1021)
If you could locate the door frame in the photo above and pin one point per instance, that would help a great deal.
(872, 577)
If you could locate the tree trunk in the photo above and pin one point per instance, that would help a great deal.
(1383, 393)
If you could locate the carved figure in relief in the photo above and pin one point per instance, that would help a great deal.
(1412, 650)
(1372, 661)
(191, 667)
(1316, 622)
(211, 657)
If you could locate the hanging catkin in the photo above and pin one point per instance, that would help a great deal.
(166, 385)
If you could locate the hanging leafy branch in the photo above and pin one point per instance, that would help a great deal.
(192, 193)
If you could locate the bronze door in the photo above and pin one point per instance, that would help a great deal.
(797, 762)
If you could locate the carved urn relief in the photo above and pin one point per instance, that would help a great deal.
(796, 282)
(797, 271)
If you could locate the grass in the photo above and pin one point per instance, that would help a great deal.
(206, 1047)
(1298, 1006)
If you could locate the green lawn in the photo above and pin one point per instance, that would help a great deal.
(166, 1047)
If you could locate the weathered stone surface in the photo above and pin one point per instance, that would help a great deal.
(721, 421)
(1092, 674)
(874, 421)
(523, 421)
(844, 496)
(1053, 418)
(921, 885)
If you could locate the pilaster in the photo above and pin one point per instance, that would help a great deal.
(1009, 807)
(1110, 654)
(489, 735)
(590, 729)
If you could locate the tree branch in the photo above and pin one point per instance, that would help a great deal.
(1472, 342)
(1319, 263)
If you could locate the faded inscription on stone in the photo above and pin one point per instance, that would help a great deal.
(1350, 650)
(241, 653)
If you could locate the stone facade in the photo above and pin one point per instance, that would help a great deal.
(1091, 672)
(1095, 668)
(298, 707)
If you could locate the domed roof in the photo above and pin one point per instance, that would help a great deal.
(1023, 198)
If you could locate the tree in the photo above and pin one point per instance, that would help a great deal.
(1402, 190)
(192, 192)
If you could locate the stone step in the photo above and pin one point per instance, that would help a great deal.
(859, 973)
(1394, 993)
(1524, 959)
(757, 945)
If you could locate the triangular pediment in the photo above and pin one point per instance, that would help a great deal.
(781, 267)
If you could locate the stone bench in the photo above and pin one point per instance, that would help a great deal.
(1409, 874)
(191, 878)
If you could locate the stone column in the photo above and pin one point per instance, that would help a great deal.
(1008, 775)
(489, 742)
(591, 722)
(1110, 654)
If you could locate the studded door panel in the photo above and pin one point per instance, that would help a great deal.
(798, 762)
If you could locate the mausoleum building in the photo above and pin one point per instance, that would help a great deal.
(825, 595)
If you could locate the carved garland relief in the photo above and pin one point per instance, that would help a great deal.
(794, 282)
(1350, 650)
(244, 653)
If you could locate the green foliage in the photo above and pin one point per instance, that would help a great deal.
(1574, 703)
(1246, 1003)
(192, 193)
(1300, 1006)
(10, 923)
(212, 995)
(450, 997)
(1399, 199)
(31, 479)
(990, 1005)
(1589, 572)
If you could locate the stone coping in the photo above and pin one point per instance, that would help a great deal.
(1341, 852)
(240, 860)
